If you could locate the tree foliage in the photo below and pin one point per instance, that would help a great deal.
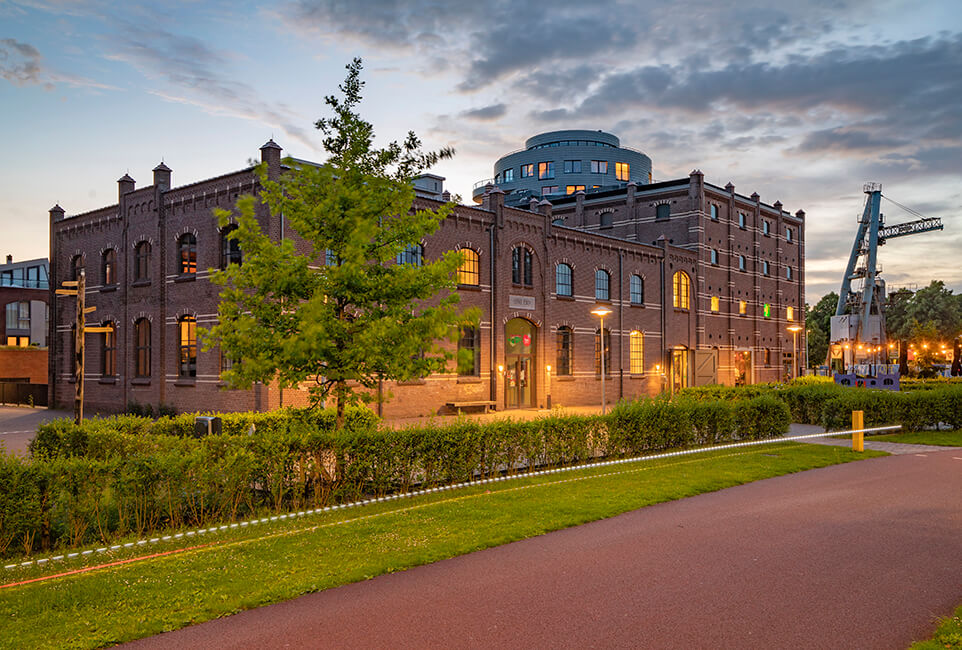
(332, 306)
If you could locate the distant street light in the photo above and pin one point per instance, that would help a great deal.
(601, 311)
(794, 329)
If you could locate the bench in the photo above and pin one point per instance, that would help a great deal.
(484, 404)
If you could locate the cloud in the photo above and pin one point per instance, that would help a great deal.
(195, 73)
(486, 113)
(21, 64)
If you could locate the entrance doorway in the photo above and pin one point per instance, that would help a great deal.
(519, 363)
(742, 362)
(680, 364)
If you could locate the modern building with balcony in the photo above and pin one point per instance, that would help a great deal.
(564, 162)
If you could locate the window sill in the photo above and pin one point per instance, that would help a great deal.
(568, 298)
(679, 310)
(640, 305)
(140, 283)
(191, 382)
(469, 287)
(108, 288)
(140, 381)
(602, 301)
(470, 380)
(521, 286)
(412, 382)
(187, 277)
(107, 380)
(563, 378)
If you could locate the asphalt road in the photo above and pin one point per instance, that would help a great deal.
(864, 555)
(18, 425)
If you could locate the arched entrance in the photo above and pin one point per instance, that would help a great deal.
(520, 357)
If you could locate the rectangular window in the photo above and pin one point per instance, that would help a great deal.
(188, 346)
(766, 227)
(636, 353)
(549, 189)
(572, 166)
(599, 166)
(527, 170)
(226, 362)
(108, 367)
(509, 175)
(13, 315)
(742, 307)
(469, 271)
(789, 313)
(563, 367)
(764, 267)
(741, 219)
(622, 171)
(469, 352)
(662, 211)
(741, 262)
(788, 234)
(714, 304)
(23, 322)
(413, 254)
(563, 280)
(714, 257)
(714, 212)
(142, 333)
(545, 170)
(788, 272)
(571, 189)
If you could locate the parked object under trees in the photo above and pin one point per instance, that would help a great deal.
(354, 310)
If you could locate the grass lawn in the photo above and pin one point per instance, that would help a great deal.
(216, 574)
(948, 634)
(941, 438)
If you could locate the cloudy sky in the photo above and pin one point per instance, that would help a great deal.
(802, 102)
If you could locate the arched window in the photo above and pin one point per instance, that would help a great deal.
(230, 252)
(108, 356)
(565, 351)
(76, 267)
(636, 290)
(680, 282)
(187, 253)
(142, 261)
(142, 335)
(110, 267)
(563, 280)
(602, 284)
(764, 267)
(607, 339)
(187, 327)
(521, 272)
(636, 350)
(469, 352)
(413, 255)
(469, 271)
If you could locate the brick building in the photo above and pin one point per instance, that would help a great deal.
(697, 284)
(23, 295)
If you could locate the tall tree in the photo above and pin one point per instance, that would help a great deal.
(361, 303)
(818, 321)
(936, 306)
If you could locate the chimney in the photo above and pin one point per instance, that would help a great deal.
(56, 213)
(778, 206)
(9, 259)
(125, 185)
(271, 154)
(730, 188)
(496, 205)
(800, 214)
(533, 204)
(580, 208)
(162, 177)
(630, 196)
(545, 208)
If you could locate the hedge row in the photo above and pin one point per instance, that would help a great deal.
(127, 477)
(915, 410)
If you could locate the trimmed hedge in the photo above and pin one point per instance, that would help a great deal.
(915, 410)
(128, 476)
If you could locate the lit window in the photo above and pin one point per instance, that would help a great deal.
(564, 356)
(562, 278)
(599, 166)
(714, 212)
(545, 170)
(607, 340)
(714, 304)
(622, 171)
(110, 267)
(636, 352)
(469, 271)
(509, 175)
(187, 253)
(571, 189)
(790, 313)
(602, 283)
(527, 170)
(768, 357)
(572, 166)
(764, 267)
(680, 283)
(142, 261)
(142, 334)
(187, 326)
(549, 189)
(413, 254)
(108, 365)
(636, 290)
(714, 256)
(469, 352)
(662, 211)
(741, 262)
(742, 307)
(767, 310)
(741, 219)
(230, 252)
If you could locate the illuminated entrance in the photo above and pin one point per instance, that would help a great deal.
(680, 364)
(742, 362)
(519, 363)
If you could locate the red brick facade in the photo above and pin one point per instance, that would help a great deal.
(616, 232)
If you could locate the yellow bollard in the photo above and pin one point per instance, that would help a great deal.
(858, 436)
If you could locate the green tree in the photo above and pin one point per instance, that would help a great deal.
(936, 306)
(342, 312)
(898, 323)
(818, 321)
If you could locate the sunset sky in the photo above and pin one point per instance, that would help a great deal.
(802, 102)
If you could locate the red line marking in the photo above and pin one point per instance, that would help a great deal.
(103, 566)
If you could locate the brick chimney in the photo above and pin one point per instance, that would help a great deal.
(162, 177)
(271, 154)
(125, 185)
(9, 259)
(56, 213)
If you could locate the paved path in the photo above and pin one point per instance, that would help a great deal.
(895, 448)
(863, 555)
(18, 425)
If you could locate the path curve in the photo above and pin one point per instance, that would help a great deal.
(862, 555)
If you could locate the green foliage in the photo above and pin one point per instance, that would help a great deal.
(914, 410)
(818, 321)
(357, 316)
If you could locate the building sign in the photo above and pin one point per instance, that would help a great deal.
(521, 302)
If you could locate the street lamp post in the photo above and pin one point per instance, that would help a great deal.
(795, 329)
(601, 311)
